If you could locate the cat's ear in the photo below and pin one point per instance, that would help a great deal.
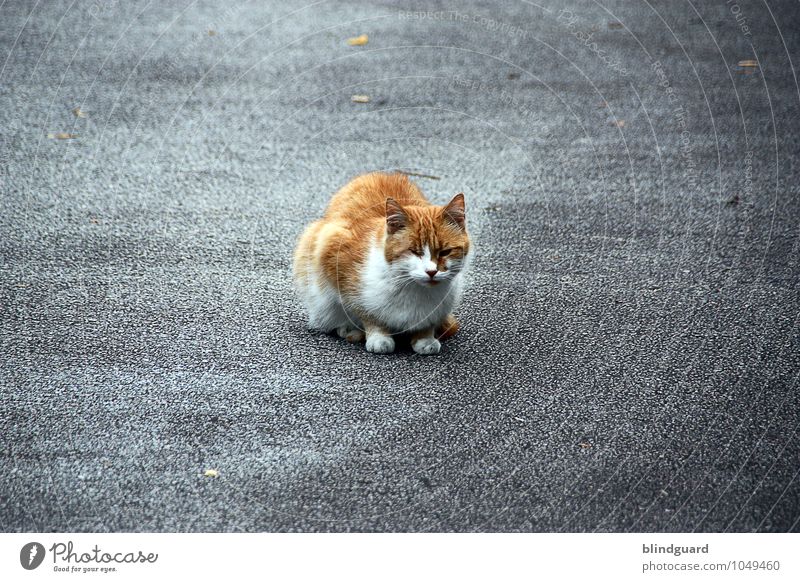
(454, 211)
(396, 217)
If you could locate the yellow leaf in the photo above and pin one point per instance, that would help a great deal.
(78, 112)
(360, 98)
(358, 40)
(212, 33)
(211, 473)
(62, 135)
(748, 63)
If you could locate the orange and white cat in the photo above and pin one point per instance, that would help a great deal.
(383, 261)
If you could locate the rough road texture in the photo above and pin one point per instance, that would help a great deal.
(629, 354)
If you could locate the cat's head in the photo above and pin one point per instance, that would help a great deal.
(427, 244)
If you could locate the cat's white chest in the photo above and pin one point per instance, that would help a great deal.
(402, 304)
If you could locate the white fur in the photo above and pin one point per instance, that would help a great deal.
(399, 295)
(323, 301)
(379, 343)
(325, 310)
(427, 345)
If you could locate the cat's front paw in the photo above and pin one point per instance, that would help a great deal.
(351, 334)
(427, 346)
(380, 344)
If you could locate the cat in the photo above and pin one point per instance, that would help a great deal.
(384, 261)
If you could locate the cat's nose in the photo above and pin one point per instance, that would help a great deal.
(432, 273)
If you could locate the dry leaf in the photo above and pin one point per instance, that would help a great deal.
(748, 63)
(618, 123)
(358, 40)
(212, 33)
(585, 445)
(62, 135)
(94, 221)
(614, 25)
(78, 112)
(211, 473)
(360, 98)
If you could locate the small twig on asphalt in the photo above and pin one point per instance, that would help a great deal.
(418, 175)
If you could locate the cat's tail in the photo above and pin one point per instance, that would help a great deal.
(447, 328)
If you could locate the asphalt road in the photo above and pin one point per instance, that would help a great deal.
(629, 353)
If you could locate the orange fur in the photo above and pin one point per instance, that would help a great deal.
(448, 328)
(373, 211)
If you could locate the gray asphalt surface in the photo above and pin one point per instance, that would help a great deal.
(629, 353)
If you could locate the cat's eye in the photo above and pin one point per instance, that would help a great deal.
(444, 252)
(416, 252)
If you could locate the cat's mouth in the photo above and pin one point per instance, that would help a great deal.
(429, 283)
